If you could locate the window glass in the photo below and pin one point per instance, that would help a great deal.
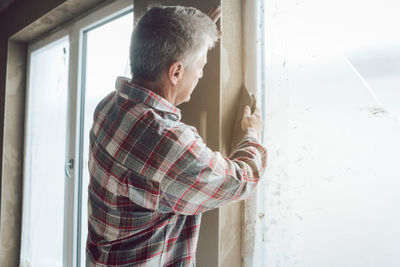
(332, 103)
(45, 148)
(107, 57)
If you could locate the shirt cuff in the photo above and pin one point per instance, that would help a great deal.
(252, 133)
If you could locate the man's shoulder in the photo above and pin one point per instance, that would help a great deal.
(121, 110)
(119, 121)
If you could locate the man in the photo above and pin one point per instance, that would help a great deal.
(151, 175)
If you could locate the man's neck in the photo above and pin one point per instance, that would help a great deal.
(160, 87)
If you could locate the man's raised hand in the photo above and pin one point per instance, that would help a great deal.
(215, 14)
(253, 121)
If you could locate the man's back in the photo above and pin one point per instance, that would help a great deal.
(152, 177)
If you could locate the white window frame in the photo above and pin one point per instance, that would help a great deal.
(75, 32)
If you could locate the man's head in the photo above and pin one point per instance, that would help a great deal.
(172, 42)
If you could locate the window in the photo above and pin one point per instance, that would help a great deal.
(107, 57)
(330, 194)
(70, 71)
(48, 84)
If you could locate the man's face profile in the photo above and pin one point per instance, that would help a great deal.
(190, 77)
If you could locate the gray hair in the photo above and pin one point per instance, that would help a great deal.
(168, 34)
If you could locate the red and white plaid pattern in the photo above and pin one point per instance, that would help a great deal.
(151, 177)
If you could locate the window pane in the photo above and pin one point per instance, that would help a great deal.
(330, 196)
(45, 149)
(107, 56)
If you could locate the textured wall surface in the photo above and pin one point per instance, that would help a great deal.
(232, 80)
(11, 186)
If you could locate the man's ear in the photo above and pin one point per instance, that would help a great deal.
(175, 72)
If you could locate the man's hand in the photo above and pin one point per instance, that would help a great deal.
(253, 121)
(215, 14)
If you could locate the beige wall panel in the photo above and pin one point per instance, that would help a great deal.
(231, 235)
(231, 69)
(232, 80)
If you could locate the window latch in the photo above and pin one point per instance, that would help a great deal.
(68, 165)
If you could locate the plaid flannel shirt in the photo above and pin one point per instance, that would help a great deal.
(151, 177)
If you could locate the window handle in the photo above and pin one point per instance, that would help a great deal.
(68, 165)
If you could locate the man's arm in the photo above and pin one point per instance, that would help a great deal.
(200, 179)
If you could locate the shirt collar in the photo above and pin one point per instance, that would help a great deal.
(146, 96)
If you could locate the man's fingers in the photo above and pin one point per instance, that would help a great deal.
(211, 12)
(214, 13)
(251, 120)
(246, 111)
(215, 17)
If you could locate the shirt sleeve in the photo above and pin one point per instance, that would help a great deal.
(199, 179)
